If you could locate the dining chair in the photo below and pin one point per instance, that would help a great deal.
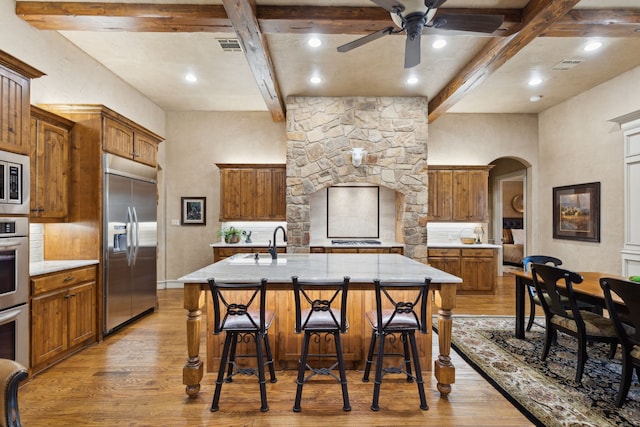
(11, 374)
(584, 325)
(534, 298)
(401, 310)
(321, 311)
(627, 325)
(235, 314)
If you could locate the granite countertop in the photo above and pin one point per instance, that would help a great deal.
(362, 268)
(44, 267)
(463, 246)
(246, 245)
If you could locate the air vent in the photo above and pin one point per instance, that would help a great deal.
(230, 45)
(566, 64)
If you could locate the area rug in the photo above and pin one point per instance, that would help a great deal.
(546, 392)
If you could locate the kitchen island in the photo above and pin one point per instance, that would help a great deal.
(361, 268)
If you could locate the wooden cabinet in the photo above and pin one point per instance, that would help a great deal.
(220, 253)
(458, 193)
(124, 139)
(63, 315)
(49, 156)
(252, 192)
(15, 84)
(476, 266)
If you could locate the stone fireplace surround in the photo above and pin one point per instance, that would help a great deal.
(321, 132)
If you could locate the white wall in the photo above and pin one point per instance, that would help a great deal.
(196, 141)
(578, 144)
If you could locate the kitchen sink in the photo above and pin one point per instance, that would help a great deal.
(249, 259)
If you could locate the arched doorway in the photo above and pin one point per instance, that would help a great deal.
(507, 225)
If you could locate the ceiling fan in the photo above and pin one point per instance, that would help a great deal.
(411, 16)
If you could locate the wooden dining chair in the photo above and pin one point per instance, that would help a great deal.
(534, 298)
(628, 330)
(584, 325)
(401, 310)
(235, 314)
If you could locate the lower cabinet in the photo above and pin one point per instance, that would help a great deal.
(220, 253)
(356, 250)
(63, 315)
(476, 266)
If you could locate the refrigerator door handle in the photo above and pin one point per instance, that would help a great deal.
(137, 239)
(129, 236)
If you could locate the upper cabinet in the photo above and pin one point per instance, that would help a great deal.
(49, 156)
(15, 86)
(458, 193)
(124, 140)
(252, 192)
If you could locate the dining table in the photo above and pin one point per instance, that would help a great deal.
(362, 270)
(588, 291)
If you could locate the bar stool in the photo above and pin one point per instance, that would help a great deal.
(11, 374)
(392, 317)
(319, 318)
(239, 320)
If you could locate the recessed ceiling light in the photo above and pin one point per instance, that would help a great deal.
(439, 44)
(535, 81)
(314, 42)
(190, 77)
(592, 45)
(316, 80)
(535, 98)
(412, 80)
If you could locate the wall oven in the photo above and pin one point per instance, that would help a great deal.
(14, 183)
(14, 289)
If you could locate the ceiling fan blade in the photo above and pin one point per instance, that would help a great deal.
(392, 6)
(473, 23)
(434, 4)
(412, 52)
(364, 40)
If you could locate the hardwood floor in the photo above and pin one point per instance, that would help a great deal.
(134, 378)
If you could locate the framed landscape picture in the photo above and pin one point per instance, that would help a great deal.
(576, 212)
(193, 211)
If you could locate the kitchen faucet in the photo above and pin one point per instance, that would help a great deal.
(273, 250)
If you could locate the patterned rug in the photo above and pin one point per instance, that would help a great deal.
(545, 391)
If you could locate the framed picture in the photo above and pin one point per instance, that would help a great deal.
(576, 212)
(193, 211)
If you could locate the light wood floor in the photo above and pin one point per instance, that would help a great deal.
(134, 378)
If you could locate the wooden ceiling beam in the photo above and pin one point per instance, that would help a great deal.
(242, 14)
(538, 16)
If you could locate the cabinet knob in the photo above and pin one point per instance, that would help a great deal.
(69, 278)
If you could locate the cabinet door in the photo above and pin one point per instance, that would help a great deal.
(14, 112)
(82, 313)
(118, 138)
(229, 194)
(264, 194)
(450, 265)
(461, 196)
(478, 274)
(145, 149)
(279, 194)
(52, 171)
(478, 192)
(48, 327)
(440, 195)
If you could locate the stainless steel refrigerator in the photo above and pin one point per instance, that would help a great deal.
(130, 236)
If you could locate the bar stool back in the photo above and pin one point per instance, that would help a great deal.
(394, 317)
(243, 316)
(317, 317)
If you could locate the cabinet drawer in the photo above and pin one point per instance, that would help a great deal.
(61, 280)
(448, 252)
(477, 253)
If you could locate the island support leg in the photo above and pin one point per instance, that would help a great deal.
(193, 371)
(444, 370)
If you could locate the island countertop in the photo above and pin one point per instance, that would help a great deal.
(361, 268)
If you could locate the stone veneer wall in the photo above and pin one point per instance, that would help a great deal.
(320, 135)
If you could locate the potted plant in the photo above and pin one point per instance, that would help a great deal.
(230, 234)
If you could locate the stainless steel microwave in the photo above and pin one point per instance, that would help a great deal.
(14, 183)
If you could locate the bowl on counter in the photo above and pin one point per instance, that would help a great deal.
(468, 240)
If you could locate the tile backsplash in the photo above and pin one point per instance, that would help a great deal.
(36, 242)
(450, 232)
(261, 232)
